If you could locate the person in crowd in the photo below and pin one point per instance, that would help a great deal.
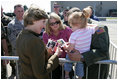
(92, 16)
(65, 17)
(5, 46)
(74, 9)
(55, 29)
(79, 40)
(99, 50)
(14, 28)
(56, 8)
(4, 52)
(90, 20)
(5, 20)
(31, 50)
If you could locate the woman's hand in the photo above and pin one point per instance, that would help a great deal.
(5, 62)
(50, 51)
(58, 51)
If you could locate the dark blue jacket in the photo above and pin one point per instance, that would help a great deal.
(94, 18)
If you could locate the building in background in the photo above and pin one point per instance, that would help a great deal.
(101, 8)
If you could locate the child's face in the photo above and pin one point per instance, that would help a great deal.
(75, 27)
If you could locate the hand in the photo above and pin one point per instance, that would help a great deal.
(5, 62)
(75, 56)
(50, 51)
(66, 46)
(58, 51)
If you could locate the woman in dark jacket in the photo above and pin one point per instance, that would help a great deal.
(32, 53)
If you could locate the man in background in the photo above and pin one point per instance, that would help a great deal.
(14, 28)
(5, 46)
(56, 8)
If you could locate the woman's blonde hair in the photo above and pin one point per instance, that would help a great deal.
(80, 18)
(57, 18)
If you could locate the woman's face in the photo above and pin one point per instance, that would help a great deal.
(54, 24)
(38, 25)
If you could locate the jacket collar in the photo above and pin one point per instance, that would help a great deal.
(29, 31)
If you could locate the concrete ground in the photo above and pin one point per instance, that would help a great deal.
(112, 27)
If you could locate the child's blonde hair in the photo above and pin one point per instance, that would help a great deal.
(87, 11)
(80, 18)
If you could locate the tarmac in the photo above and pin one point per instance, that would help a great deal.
(112, 28)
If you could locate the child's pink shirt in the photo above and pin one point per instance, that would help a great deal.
(81, 38)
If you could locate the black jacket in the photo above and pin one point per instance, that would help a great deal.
(99, 51)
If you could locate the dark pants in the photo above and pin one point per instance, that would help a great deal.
(93, 71)
(13, 66)
(57, 73)
(3, 71)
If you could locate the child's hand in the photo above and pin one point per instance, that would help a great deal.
(66, 46)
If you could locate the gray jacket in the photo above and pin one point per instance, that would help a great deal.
(14, 28)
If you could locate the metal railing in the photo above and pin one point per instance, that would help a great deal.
(63, 60)
(112, 62)
(112, 51)
(15, 58)
(113, 56)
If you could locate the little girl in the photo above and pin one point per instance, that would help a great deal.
(79, 40)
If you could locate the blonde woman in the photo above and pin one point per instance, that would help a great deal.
(56, 30)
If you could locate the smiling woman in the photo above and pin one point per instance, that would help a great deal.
(31, 49)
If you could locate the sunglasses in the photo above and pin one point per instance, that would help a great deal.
(56, 6)
(57, 22)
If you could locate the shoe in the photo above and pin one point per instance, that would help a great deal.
(67, 77)
(12, 76)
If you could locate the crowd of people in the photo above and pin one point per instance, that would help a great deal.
(29, 32)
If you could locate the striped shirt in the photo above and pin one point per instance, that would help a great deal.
(81, 38)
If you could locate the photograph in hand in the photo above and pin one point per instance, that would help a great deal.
(51, 44)
(61, 42)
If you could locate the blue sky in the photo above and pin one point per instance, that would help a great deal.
(8, 5)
